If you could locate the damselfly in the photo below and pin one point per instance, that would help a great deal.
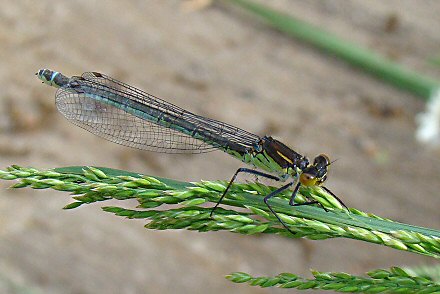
(128, 116)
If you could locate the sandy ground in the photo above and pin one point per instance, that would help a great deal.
(223, 64)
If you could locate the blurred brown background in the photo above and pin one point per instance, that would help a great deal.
(221, 63)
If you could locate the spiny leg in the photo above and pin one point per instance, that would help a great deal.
(295, 191)
(336, 197)
(310, 202)
(242, 170)
(277, 191)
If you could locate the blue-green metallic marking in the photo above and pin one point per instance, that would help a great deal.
(54, 74)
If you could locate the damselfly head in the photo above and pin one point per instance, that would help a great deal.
(316, 173)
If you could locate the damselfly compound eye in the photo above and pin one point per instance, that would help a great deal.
(321, 160)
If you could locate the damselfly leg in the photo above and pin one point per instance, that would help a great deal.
(336, 197)
(266, 199)
(241, 170)
(276, 192)
(310, 202)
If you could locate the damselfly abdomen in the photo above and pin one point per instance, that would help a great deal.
(126, 115)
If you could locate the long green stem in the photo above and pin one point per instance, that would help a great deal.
(367, 60)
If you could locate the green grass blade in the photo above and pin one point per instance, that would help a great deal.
(90, 184)
(358, 56)
(394, 280)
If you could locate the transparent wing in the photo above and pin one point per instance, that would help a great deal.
(128, 116)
